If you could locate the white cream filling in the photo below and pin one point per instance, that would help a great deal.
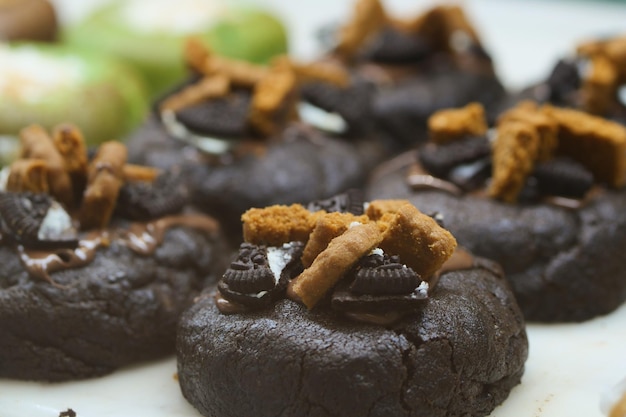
(29, 75)
(178, 17)
(207, 144)
(278, 258)
(56, 224)
(321, 119)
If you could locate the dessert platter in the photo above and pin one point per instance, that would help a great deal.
(237, 254)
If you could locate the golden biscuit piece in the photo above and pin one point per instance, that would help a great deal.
(278, 224)
(105, 178)
(453, 124)
(515, 151)
(376, 209)
(273, 100)
(70, 144)
(208, 87)
(369, 18)
(28, 175)
(37, 144)
(334, 261)
(597, 143)
(599, 86)
(327, 227)
(418, 240)
(546, 126)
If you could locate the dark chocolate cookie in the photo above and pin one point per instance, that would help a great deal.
(117, 309)
(564, 264)
(460, 354)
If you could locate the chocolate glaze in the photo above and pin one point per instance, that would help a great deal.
(142, 238)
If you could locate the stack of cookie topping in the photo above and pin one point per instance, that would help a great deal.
(377, 260)
(536, 151)
(236, 100)
(54, 190)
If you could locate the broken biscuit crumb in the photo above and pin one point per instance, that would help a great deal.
(452, 124)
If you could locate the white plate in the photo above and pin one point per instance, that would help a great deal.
(570, 366)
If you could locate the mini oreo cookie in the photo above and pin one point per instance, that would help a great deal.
(140, 200)
(351, 201)
(353, 103)
(260, 274)
(563, 177)
(35, 221)
(440, 159)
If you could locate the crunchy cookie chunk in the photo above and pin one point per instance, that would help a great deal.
(37, 144)
(597, 143)
(318, 71)
(452, 124)
(28, 175)
(70, 143)
(514, 153)
(599, 86)
(273, 100)
(326, 229)
(217, 85)
(369, 17)
(106, 177)
(418, 240)
(613, 49)
(376, 209)
(546, 126)
(275, 225)
(334, 261)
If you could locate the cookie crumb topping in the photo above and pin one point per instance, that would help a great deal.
(377, 261)
(452, 124)
(536, 151)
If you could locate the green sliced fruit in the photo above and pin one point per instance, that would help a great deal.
(51, 84)
(156, 48)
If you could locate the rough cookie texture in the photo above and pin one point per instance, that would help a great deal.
(119, 309)
(563, 265)
(305, 166)
(459, 356)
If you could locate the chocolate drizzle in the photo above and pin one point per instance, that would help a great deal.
(142, 238)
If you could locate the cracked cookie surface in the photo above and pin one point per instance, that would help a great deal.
(459, 355)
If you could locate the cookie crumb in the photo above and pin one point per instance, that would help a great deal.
(546, 126)
(418, 240)
(326, 229)
(278, 224)
(597, 143)
(599, 86)
(28, 175)
(452, 124)
(68, 413)
(208, 87)
(514, 153)
(334, 261)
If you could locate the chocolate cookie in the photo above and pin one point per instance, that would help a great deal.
(420, 63)
(318, 140)
(411, 329)
(94, 280)
(556, 224)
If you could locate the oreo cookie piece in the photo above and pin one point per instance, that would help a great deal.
(380, 283)
(391, 46)
(351, 201)
(440, 159)
(564, 81)
(563, 177)
(260, 274)
(353, 103)
(140, 200)
(35, 221)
